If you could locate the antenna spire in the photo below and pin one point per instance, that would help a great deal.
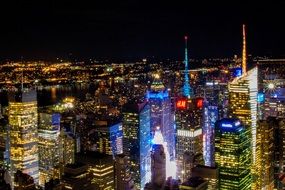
(186, 86)
(244, 56)
(22, 77)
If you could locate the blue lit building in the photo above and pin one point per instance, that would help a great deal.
(161, 114)
(137, 141)
(116, 138)
(211, 115)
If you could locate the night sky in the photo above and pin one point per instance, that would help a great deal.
(137, 29)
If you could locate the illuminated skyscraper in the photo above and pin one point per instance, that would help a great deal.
(67, 148)
(123, 177)
(108, 139)
(188, 118)
(265, 155)
(161, 113)
(243, 101)
(210, 117)
(274, 98)
(137, 141)
(23, 134)
(101, 168)
(233, 155)
(49, 147)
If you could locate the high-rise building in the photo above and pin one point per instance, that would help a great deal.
(233, 154)
(188, 118)
(23, 134)
(67, 147)
(243, 102)
(123, 177)
(158, 166)
(108, 139)
(49, 147)
(161, 113)
(100, 167)
(265, 155)
(211, 115)
(137, 141)
(274, 103)
(77, 177)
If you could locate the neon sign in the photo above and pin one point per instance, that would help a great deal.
(181, 104)
(199, 103)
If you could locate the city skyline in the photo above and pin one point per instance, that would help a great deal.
(133, 30)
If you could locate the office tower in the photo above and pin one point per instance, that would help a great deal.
(188, 118)
(158, 166)
(137, 141)
(49, 147)
(210, 174)
(77, 177)
(161, 113)
(274, 104)
(23, 181)
(107, 138)
(210, 117)
(279, 150)
(123, 177)
(194, 183)
(243, 102)
(67, 147)
(100, 167)
(116, 137)
(23, 134)
(233, 154)
(265, 155)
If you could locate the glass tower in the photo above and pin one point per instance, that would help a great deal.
(137, 141)
(23, 134)
(49, 147)
(233, 155)
(161, 114)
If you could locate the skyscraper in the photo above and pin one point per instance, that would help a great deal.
(211, 115)
(23, 134)
(161, 113)
(49, 147)
(243, 102)
(123, 177)
(265, 155)
(137, 141)
(233, 155)
(188, 118)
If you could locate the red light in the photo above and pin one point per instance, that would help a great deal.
(199, 103)
(185, 37)
(181, 104)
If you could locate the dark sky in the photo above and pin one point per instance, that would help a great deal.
(137, 29)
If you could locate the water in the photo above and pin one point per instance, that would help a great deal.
(54, 94)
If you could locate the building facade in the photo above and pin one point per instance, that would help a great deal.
(23, 134)
(233, 155)
(137, 141)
